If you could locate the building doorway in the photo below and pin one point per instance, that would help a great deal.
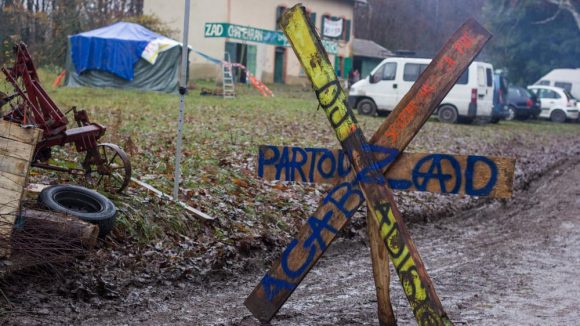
(244, 54)
(279, 59)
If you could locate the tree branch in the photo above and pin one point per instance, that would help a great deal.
(549, 19)
(568, 6)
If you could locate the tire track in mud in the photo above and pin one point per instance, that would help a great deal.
(505, 263)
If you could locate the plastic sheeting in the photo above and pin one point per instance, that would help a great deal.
(163, 76)
(114, 49)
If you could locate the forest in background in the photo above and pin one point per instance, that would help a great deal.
(531, 37)
(45, 24)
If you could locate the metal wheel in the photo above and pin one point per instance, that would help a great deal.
(366, 107)
(448, 114)
(109, 170)
(558, 116)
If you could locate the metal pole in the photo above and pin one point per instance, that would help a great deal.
(182, 91)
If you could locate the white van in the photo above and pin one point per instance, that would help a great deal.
(471, 97)
(568, 79)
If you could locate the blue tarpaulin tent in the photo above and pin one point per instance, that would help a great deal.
(115, 48)
(123, 55)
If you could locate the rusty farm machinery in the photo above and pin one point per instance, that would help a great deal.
(104, 166)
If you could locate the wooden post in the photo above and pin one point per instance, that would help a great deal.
(381, 273)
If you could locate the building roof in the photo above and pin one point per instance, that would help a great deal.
(368, 48)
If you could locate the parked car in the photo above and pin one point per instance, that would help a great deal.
(568, 79)
(500, 103)
(557, 104)
(522, 104)
(380, 92)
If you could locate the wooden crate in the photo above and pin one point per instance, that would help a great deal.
(16, 150)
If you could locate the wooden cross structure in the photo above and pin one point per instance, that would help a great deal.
(367, 170)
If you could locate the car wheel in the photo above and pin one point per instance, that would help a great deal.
(86, 204)
(511, 113)
(494, 120)
(447, 114)
(366, 107)
(558, 116)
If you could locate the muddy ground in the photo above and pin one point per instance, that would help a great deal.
(501, 264)
(511, 262)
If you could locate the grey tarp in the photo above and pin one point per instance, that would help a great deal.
(163, 76)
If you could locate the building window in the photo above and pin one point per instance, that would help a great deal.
(312, 16)
(346, 30)
(279, 12)
(337, 28)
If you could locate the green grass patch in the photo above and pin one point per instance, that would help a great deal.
(220, 142)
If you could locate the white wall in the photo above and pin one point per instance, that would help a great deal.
(254, 13)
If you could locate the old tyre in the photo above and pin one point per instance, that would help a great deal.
(86, 204)
(447, 114)
(558, 116)
(366, 107)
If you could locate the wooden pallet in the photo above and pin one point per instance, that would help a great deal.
(17, 146)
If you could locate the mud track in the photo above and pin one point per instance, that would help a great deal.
(513, 263)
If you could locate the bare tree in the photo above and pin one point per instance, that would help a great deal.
(566, 5)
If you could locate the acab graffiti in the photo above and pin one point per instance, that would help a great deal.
(340, 203)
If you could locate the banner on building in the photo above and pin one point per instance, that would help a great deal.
(257, 35)
(332, 28)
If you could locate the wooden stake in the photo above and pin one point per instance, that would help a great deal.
(163, 195)
(381, 273)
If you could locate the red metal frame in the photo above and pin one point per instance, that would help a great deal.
(39, 110)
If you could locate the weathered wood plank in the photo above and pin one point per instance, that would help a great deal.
(16, 150)
(381, 273)
(9, 203)
(15, 132)
(471, 175)
(345, 198)
(11, 181)
(14, 165)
